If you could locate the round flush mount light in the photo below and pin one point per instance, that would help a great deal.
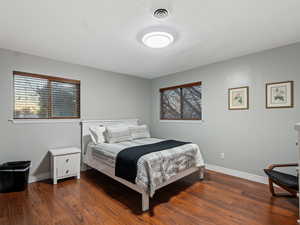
(157, 39)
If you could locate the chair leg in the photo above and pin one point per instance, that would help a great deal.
(271, 186)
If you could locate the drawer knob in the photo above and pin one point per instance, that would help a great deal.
(67, 160)
(67, 171)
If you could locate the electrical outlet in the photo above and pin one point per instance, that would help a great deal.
(222, 155)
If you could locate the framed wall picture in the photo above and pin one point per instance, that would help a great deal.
(280, 95)
(238, 98)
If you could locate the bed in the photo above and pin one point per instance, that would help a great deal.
(153, 170)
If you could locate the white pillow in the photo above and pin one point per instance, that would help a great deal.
(97, 134)
(118, 133)
(138, 132)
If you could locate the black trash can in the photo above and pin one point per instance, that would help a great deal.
(14, 176)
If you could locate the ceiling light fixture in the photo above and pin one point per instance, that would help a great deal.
(157, 39)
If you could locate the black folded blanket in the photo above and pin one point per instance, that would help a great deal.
(126, 162)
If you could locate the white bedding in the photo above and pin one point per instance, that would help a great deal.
(108, 152)
(153, 169)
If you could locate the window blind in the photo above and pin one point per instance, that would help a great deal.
(44, 97)
(181, 102)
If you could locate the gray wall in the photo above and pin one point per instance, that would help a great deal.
(250, 139)
(104, 95)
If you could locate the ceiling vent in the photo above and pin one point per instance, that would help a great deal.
(160, 13)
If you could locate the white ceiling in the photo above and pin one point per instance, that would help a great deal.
(103, 33)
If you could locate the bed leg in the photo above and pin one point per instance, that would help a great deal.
(201, 172)
(145, 202)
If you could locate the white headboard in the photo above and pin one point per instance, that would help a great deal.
(85, 124)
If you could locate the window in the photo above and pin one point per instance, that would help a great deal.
(181, 102)
(44, 97)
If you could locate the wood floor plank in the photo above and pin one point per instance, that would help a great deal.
(98, 200)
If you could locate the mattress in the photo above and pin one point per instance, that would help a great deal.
(107, 153)
(153, 169)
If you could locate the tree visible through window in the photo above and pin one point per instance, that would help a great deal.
(44, 97)
(181, 102)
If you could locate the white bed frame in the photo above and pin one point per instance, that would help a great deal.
(108, 170)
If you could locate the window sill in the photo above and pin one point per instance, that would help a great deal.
(181, 121)
(43, 121)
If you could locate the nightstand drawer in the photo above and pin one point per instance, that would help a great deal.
(68, 165)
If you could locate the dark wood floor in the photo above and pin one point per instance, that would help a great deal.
(97, 199)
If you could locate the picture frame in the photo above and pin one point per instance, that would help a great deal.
(280, 95)
(238, 98)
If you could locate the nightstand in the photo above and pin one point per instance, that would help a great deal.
(65, 162)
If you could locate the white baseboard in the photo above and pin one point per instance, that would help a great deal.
(39, 177)
(231, 172)
(237, 173)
